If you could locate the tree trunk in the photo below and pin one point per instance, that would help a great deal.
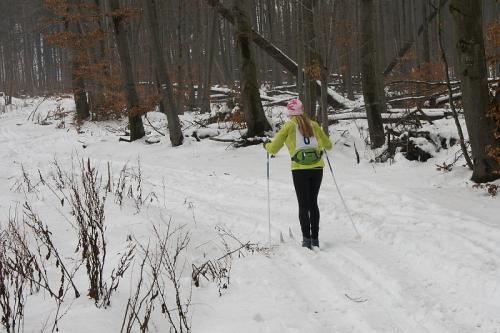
(39, 63)
(444, 59)
(323, 29)
(381, 33)
(344, 42)
(135, 120)
(99, 56)
(300, 51)
(374, 102)
(205, 104)
(271, 21)
(78, 84)
(80, 94)
(168, 99)
(324, 98)
(289, 29)
(230, 51)
(426, 49)
(28, 56)
(311, 64)
(471, 68)
(180, 58)
(225, 55)
(255, 118)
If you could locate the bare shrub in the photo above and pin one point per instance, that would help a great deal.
(23, 269)
(118, 273)
(48, 254)
(170, 251)
(25, 183)
(43, 238)
(218, 270)
(58, 176)
(120, 186)
(18, 270)
(159, 277)
(87, 204)
(213, 270)
(139, 307)
(129, 186)
(87, 197)
(444, 167)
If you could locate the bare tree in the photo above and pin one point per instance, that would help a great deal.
(205, 102)
(168, 99)
(311, 60)
(344, 42)
(471, 65)
(450, 94)
(250, 96)
(79, 91)
(120, 30)
(372, 78)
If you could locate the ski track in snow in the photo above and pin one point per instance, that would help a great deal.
(428, 261)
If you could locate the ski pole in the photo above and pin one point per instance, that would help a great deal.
(268, 202)
(341, 196)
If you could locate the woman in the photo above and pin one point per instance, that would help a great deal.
(305, 141)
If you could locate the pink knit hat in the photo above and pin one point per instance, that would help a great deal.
(295, 108)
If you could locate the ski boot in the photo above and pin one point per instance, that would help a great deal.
(315, 242)
(306, 242)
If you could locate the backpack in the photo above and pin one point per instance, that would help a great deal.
(306, 149)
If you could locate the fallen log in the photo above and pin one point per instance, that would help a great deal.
(241, 142)
(226, 94)
(414, 145)
(427, 83)
(281, 102)
(394, 117)
(436, 98)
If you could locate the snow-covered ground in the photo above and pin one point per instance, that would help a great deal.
(428, 259)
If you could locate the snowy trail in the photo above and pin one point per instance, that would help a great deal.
(429, 259)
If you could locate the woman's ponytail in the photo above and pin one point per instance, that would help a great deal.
(304, 125)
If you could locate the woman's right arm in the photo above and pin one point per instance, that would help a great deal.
(279, 140)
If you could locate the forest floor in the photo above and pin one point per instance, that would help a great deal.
(428, 259)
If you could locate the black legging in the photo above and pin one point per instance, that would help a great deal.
(307, 184)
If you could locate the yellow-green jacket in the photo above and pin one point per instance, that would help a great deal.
(286, 135)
